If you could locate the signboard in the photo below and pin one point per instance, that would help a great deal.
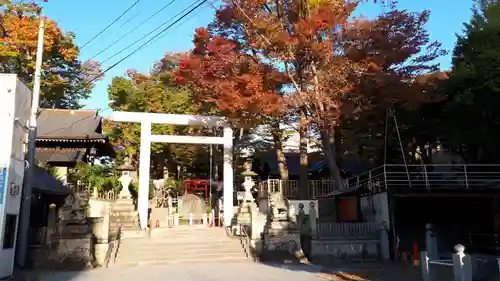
(3, 175)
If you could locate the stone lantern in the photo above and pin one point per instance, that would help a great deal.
(244, 215)
(248, 184)
(125, 179)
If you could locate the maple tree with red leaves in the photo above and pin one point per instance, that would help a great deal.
(314, 59)
(65, 79)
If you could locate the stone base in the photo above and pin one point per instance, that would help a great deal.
(281, 246)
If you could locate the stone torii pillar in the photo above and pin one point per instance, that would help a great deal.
(147, 119)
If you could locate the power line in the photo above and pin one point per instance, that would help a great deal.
(109, 25)
(153, 38)
(183, 22)
(149, 33)
(135, 16)
(133, 29)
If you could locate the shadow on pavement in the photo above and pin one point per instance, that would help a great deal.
(347, 271)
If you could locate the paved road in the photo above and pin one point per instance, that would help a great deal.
(185, 272)
(241, 271)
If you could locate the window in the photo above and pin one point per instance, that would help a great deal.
(9, 236)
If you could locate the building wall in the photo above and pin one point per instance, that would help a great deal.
(375, 208)
(15, 103)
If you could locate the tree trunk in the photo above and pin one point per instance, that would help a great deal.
(160, 165)
(278, 144)
(303, 172)
(329, 149)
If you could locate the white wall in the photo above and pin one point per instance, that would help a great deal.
(375, 208)
(15, 102)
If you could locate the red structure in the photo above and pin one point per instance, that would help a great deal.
(197, 187)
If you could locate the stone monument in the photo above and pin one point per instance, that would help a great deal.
(191, 205)
(281, 232)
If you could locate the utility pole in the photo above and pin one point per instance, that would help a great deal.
(29, 175)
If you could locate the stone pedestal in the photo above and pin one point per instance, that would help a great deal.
(281, 233)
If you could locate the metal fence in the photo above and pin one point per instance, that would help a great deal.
(290, 188)
(352, 230)
(432, 176)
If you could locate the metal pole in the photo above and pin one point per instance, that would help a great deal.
(385, 135)
(402, 149)
(28, 188)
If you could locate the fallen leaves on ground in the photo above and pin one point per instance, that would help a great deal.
(341, 276)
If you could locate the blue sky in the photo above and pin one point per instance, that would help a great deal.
(87, 18)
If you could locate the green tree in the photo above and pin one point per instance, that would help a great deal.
(153, 92)
(470, 118)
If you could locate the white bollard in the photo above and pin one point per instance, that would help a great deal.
(210, 220)
(424, 263)
(205, 219)
(462, 264)
(190, 219)
(176, 220)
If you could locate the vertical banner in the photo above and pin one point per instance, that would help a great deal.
(3, 174)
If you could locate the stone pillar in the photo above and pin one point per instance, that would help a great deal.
(385, 251)
(313, 221)
(228, 176)
(431, 242)
(144, 165)
(462, 264)
(51, 224)
(301, 217)
(98, 230)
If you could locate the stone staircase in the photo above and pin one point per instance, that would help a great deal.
(123, 213)
(181, 245)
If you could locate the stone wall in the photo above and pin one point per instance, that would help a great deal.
(346, 249)
(77, 238)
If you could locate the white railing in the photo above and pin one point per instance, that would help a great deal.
(85, 189)
(330, 230)
(433, 176)
(315, 188)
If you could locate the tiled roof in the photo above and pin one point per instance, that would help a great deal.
(46, 183)
(69, 124)
(59, 155)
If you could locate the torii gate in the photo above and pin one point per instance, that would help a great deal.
(147, 119)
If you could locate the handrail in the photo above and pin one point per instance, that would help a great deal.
(246, 241)
(112, 252)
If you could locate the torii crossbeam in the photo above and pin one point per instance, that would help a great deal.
(147, 119)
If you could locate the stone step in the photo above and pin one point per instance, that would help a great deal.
(176, 244)
(123, 211)
(123, 217)
(117, 221)
(180, 252)
(183, 260)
